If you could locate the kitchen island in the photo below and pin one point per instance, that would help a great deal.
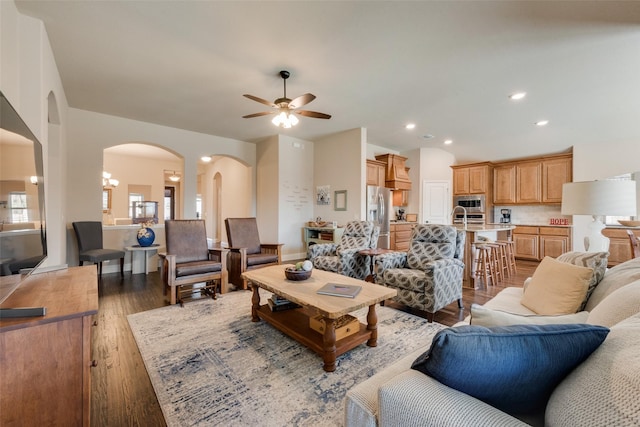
(474, 233)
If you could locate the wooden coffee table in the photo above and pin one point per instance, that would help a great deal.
(295, 322)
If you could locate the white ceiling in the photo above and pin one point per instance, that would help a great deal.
(447, 66)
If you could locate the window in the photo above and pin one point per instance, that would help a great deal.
(18, 206)
(133, 198)
(614, 219)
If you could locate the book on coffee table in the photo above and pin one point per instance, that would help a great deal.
(340, 290)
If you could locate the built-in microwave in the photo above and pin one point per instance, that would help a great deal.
(473, 204)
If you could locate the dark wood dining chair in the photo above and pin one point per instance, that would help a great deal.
(635, 244)
(246, 252)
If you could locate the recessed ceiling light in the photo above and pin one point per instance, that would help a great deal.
(518, 95)
(448, 141)
(542, 122)
(205, 158)
(410, 126)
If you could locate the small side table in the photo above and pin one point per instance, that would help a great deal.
(371, 253)
(146, 251)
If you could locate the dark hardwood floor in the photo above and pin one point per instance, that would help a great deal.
(121, 392)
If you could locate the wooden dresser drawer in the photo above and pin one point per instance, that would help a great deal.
(403, 236)
(523, 229)
(555, 231)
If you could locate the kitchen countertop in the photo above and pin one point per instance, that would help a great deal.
(485, 227)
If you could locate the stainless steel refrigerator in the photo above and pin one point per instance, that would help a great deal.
(380, 210)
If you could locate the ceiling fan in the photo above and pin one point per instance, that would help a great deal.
(285, 108)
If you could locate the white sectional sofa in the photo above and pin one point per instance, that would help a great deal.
(603, 390)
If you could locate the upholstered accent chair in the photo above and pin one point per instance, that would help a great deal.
(343, 258)
(428, 276)
(246, 250)
(189, 261)
(90, 246)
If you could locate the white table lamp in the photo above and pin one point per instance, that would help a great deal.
(599, 199)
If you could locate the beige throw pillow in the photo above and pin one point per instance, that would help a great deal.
(557, 288)
(482, 316)
(596, 260)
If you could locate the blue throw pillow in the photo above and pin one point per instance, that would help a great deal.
(513, 368)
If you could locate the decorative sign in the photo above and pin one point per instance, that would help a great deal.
(559, 221)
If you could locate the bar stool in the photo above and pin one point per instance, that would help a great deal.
(502, 256)
(496, 262)
(510, 254)
(484, 265)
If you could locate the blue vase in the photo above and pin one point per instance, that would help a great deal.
(146, 236)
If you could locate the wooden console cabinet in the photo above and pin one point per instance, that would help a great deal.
(45, 361)
(619, 246)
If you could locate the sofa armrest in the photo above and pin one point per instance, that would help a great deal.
(412, 398)
(389, 260)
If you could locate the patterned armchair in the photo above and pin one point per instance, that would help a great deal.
(344, 258)
(429, 276)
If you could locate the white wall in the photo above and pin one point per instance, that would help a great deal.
(340, 162)
(591, 162)
(28, 74)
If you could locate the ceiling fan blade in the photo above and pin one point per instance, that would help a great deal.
(301, 100)
(260, 100)
(313, 114)
(264, 113)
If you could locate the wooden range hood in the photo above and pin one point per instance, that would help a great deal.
(396, 176)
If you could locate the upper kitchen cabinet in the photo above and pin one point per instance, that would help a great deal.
(528, 183)
(555, 172)
(504, 188)
(471, 179)
(531, 181)
(375, 173)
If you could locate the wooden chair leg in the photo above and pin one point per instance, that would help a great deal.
(122, 267)
(430, 317)
(460, 305)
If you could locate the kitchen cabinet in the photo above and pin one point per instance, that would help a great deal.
(532, 181)
(314, 235)
(555, 172)
(504, 188)
(400, 198)
(535, 242)
(46, 360)
(471, 179)
(554, 241)
(400, 235)
(375, 173)
(619, 245)
(528, 183)
(527, 242)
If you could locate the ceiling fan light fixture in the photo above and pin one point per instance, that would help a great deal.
(285, 120)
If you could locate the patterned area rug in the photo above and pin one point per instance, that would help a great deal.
(210, 365)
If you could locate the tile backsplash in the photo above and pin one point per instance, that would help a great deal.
(531, 214)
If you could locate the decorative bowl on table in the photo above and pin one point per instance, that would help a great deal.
(629, 223)
(297, 275)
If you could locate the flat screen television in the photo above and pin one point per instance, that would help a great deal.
(23, 242)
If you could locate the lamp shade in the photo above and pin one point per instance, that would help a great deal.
(599, 198)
